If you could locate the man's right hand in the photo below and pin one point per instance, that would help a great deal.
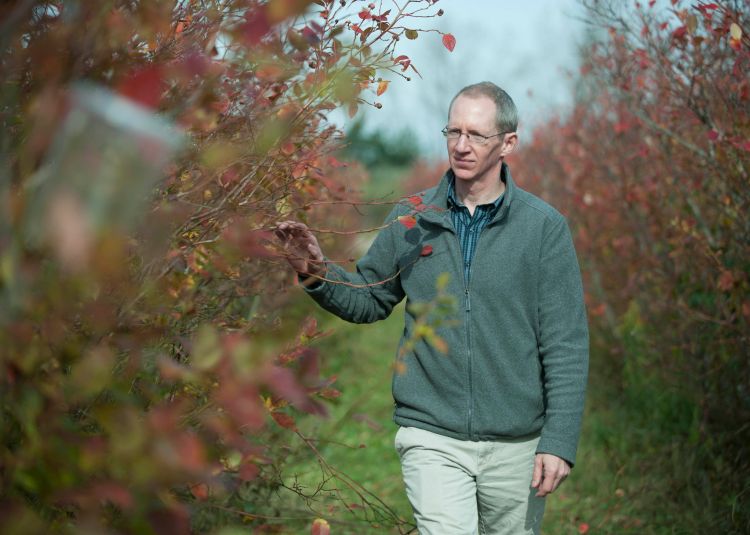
(301, 248)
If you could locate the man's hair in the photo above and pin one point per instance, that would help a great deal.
(506, 117)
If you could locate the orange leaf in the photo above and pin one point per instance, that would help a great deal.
(320, 527)
(382, 86)
(449, 41)
(199, 490)
(288, 148)
(353, 109)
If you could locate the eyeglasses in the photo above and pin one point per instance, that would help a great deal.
(453, 134)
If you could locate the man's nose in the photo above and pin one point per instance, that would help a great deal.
(462, 143)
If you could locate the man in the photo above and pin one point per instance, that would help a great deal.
(490, 428)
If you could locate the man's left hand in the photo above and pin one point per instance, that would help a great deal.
(549, 471)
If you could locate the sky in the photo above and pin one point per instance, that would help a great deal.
(525, 47)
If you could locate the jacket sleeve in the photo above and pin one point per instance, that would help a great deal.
(370, 293)
(563, 342)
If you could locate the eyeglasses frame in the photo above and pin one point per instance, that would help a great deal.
(471, 138)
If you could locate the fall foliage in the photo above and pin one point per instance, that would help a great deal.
(149, 383)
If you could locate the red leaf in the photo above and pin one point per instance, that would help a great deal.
(408, 221)
(251, 243)
(248, 471)
(284, 384)
(329, 393)
(257, 26)
(113, 492)
(310, 35)
(426, 250)
(713, 135)
(449, 41)
(200, 491)
(726, 281)
(190, 451)
(583, 528)
(365, 14)
(284, 420)
(145, 85)
(242, 403)
(416, 200)
(333, 162)
(320, 527)
(680, 32)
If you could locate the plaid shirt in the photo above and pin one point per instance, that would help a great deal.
(469, 228)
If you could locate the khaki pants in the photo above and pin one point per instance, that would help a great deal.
(465, 487)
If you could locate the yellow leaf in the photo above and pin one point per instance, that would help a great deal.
(735, 31)
(382, 86)
(442, 281)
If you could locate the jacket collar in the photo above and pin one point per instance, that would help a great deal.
(438, 213)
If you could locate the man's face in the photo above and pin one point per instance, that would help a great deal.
(471, 161)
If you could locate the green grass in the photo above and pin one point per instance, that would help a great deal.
(622, 483)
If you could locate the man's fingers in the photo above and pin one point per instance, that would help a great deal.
(537, 476)
(549, 483)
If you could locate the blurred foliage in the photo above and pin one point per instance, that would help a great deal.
(150, 381)
(380, 147)
(651, 167)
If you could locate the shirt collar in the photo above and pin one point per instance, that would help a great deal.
(454, 203)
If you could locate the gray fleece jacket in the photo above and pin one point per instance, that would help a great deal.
(517, 357)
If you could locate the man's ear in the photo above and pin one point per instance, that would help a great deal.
(510, 142)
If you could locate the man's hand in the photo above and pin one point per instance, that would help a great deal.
(301, 248)
(549, 471)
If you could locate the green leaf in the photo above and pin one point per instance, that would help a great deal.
(206, 349)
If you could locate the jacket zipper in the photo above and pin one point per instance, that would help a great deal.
(466, 275)
(467, 311)
(467, 307)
